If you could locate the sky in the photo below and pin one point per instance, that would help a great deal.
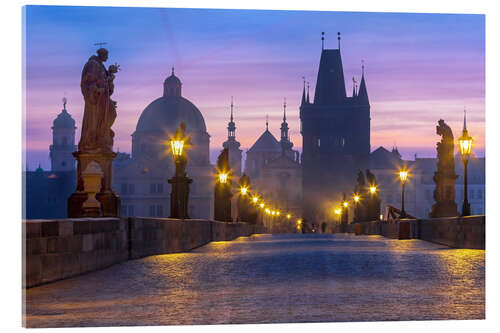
(419, 68)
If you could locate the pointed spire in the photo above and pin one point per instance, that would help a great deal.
(465, 120)
(303, 92)
(362, 92)
(307, 99)
(338, 38)
(322, 40)
(267, 122)
(173, 71)
(284, 109)
(64, 100)
(232, 108)
(353, 87)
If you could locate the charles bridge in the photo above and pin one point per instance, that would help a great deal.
(95, 267)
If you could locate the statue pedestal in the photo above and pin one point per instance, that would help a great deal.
(108, 199)
(444, 195)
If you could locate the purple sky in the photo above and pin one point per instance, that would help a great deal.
(419, 68)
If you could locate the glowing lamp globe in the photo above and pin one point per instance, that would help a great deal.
(403, 175)
(465, 145)
(222, 178)
(177, 147)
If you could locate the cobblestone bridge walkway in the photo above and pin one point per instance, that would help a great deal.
(273, 278)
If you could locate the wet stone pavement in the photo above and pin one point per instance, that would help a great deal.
(273, 279)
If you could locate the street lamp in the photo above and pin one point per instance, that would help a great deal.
(403, 176)
(244, 190)
(179, 197)
(465, 145)
(222, 177)
(255, 199)
(373, 189)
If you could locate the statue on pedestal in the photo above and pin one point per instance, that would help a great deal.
(444, 177)
(96, 140)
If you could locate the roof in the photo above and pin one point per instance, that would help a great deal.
(64, 120)
(166, 113)
(381, 158)
(330, 85)
(266, 143)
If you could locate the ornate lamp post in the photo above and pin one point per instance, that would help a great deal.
(465, 144)
(403, 176)
(179, 197)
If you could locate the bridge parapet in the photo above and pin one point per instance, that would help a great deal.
(59, 249)
(459, 232)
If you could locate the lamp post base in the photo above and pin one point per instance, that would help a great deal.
(179, 197)
(465, 209)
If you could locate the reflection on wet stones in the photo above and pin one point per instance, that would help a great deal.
(273, 278)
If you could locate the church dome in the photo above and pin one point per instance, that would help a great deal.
(167, 112)
(64, 120)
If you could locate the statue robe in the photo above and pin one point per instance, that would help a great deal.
(96, 90)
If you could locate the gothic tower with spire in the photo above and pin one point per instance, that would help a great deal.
(232, 145)
(335, 137)
(63, 142)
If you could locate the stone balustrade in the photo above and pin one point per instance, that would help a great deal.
(59, 249)
(459, 232)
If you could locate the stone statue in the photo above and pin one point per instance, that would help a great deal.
(370, 177)
(444, 177)
(360, 183)
(100, 110)
(96, 140)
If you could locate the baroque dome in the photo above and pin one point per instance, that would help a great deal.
(167, 112)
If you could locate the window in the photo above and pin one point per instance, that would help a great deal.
(159, 188)
(151, 211)
(124, 188)
(123, 210)
(130, 210)
(152, 188)
(159, 210)
(319, 142)
(480, 194)
(471, 194)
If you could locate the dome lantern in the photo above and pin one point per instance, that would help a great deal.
(172, 86)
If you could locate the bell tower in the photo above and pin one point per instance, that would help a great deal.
(63, 141)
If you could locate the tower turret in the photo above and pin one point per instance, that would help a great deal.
(63, 141)
(232, 145)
